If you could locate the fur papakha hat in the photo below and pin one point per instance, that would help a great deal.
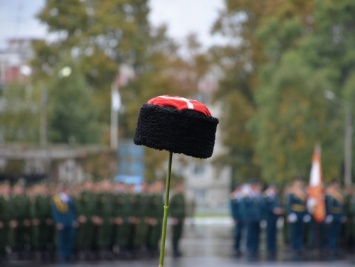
(177, 125)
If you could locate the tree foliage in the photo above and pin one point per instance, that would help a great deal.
(99, 36)
(296, 51)
(72, 118)
(19, 114)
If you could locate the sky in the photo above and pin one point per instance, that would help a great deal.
(17, 18)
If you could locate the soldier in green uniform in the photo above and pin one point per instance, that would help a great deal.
(20, 222)
(48, 228)
(177, 213)
(155, 210)
(132, 219)
(39, 213)
(95, 219)
(142, 227)
(34, 195)
(84, 203)
(120, 215)
(103, 219)
(4, 219)
(137, 221)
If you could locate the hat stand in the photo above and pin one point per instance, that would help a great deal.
(166, 212)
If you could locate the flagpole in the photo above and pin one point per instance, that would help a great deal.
(114, 118)
(348, 145)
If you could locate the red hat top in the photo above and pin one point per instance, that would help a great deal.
(180, 103)
(176, 124)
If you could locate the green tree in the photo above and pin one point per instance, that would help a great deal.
(281, 58)
(299, 70)
(240, 60)
(19, 114)
(100, 36)
(72, 117)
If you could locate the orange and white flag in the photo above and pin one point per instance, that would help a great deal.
(316, 203)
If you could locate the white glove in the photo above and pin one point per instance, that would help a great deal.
(307, 218)
(329, 219)
(292, 218)
(311, 204)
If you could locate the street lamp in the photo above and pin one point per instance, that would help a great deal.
(347, 136)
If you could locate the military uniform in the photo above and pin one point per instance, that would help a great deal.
(347, 227)
(334, 218)
(271, 202)
(19, 237)
(251, 207)
(351, 220)
(84, 203)
(155, 214)
(48, 229)
(121, 224)
(177, 213)
(286, 226)
(39, 217)
(103, 210)
(137, 220)
(4, 225)
(296, 210)
(310, 231)
(64, 215)
(235, 206)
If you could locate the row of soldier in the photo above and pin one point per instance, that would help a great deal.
(250, 206)
(97, 220)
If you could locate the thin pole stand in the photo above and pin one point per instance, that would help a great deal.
(166, 211)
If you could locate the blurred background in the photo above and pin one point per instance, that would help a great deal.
(278, 74)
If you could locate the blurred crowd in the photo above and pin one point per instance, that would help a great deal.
(103, 220)
(301, 233)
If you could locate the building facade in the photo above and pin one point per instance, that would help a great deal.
(207, 185)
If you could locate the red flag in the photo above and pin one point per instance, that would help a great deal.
(316, 205)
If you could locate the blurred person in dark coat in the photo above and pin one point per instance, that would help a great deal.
(272, 211)
(177, 214)
(235, 205)
(65, 217)
(296, 211)
(252, 214)
(334, 201)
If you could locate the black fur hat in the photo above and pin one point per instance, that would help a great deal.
(178, 125)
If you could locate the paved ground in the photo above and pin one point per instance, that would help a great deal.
(207, 245)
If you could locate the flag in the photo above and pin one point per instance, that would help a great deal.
(116, 100)
(316, 204)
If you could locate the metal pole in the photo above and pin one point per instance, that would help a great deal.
(348, 145)
(43, 118)
(114, 119)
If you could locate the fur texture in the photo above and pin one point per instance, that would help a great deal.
(180, 131)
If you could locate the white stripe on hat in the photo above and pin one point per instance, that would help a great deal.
(189, 104)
